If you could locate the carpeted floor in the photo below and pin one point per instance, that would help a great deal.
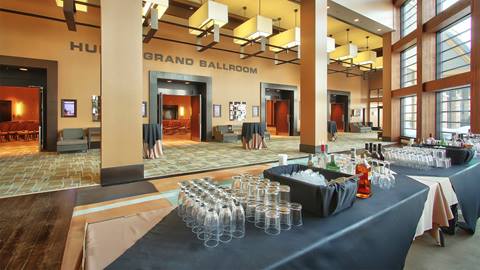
(24, 170)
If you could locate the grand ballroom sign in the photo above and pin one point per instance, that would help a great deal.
(173, 59)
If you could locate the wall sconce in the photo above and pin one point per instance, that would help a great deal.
(181, 111)
(18, 109)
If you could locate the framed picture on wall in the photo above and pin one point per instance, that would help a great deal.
(237, 111)
(217, 110)
(69, 107)
(144, 109)
(96, 108)
(255, 111)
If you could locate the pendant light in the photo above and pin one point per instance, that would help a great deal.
(366, 57)
(78, 7)
(330, 44)
(347, 51)
(209, 14)
(160, 5)
(253, 28)
(378, 63)
(286, 39)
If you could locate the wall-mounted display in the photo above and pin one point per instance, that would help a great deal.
(96, 108)
(144, 109)
(69, 108)
(237, 111)
(217, 110)
(255, 111)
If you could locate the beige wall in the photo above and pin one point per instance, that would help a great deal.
(79, 72)
(25, 102)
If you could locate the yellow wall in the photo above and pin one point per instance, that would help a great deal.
(79, 72)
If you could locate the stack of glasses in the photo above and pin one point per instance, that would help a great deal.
(267, 203)
(212, 212)
(418, 158)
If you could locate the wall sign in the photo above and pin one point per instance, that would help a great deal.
(172, 59)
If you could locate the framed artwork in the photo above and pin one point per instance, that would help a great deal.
(144, 109)
(96, 108)
(356, 112)
(237, 111)
(217, 110)
(69, 107)
(255, 111)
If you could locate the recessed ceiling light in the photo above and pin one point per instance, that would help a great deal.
(356, 20)
(187, 82)
(379, 29)
(169, 81)
(328, 7)
(23, 69)
(191, 8)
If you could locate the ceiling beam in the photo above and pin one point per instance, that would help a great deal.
(69, 13)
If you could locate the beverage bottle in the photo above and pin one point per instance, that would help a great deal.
(380, 154)
(323, 157)
(332, 166)
(364, 187)
(310, 161)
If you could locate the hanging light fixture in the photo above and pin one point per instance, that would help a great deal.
(78, 7)
(378, 63)
(286, 39)
(209, 14)
(255, 27)
(347, 51)
(330, 44)
(366, 57)
(160, 5)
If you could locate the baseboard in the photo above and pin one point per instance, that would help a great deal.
(312, 149)
(121, 174)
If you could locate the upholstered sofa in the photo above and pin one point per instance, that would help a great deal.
(227, 133)
(71, 140)
(359, 128)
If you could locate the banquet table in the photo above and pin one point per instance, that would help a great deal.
(152, 141)
(253, 136)
(374, 233)
(466, 184)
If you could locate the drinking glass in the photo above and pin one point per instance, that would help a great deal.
(201, 214)
(285, 216)
(284, 194)
(260, 216)
(187, 217)
(272, 222)
(296, 213)
(238, 217)
(250, 211)
(237, 182)
(180, 200)
(252, 190)
(271, 195)
(211, 228)
(226, 224)
(260, 194)
(196, 207)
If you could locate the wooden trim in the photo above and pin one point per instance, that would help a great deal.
(398, 3)
(452, 14)
(448, 82)
(403, 92)
(405, 42)
(375, 100)
(475, 69)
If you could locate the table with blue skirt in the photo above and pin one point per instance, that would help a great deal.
(253, 136)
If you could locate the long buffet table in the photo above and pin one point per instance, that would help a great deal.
(375, 233)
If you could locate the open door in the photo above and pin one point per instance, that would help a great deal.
(196, 118)
(282, 117)
(337, 115)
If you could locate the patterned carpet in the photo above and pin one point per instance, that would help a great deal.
(23, 170)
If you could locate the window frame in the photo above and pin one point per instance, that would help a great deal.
(402, 116)
(402, 67)
(438, 110)
(403, 20)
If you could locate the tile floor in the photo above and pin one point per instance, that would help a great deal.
(24, 170)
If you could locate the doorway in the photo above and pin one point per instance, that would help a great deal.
(22, 109)
(181, 110)
(339, 108)
(280, 111)
(337, 115)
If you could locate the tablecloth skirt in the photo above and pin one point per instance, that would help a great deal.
(256, 143)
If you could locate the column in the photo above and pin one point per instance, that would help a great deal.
(313, 75)
(121, 91)
(387, 88)
(475, 66)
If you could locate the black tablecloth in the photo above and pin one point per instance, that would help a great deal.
(466, 183)
(151, 134)
(332, 127)
(248, 129)
(375, 233)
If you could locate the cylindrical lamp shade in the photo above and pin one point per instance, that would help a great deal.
(286, 39)
(365, 58)
(343, 52)
(255, 27)
(207, 15)
(162, 6)
(330, 44)
(378, 63)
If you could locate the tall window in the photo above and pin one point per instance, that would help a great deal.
(453, 112)
(408, 117)
(453, 48)
(444, 4)
(408, 67)
(408, 17)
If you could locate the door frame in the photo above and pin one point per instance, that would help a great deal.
(156, 76)
(51, 88)
(296, 107)
(347, 110)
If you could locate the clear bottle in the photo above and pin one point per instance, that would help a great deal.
(364, 186)
(380, 153)
(323, 157)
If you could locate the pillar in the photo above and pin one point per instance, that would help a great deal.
(313, 75)
(475, 66)
(121, 91)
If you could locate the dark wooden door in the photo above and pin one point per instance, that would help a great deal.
(196, 119)
(282, 117)
(337, 114)
(5, 110)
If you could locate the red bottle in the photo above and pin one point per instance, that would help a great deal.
(364, 187)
